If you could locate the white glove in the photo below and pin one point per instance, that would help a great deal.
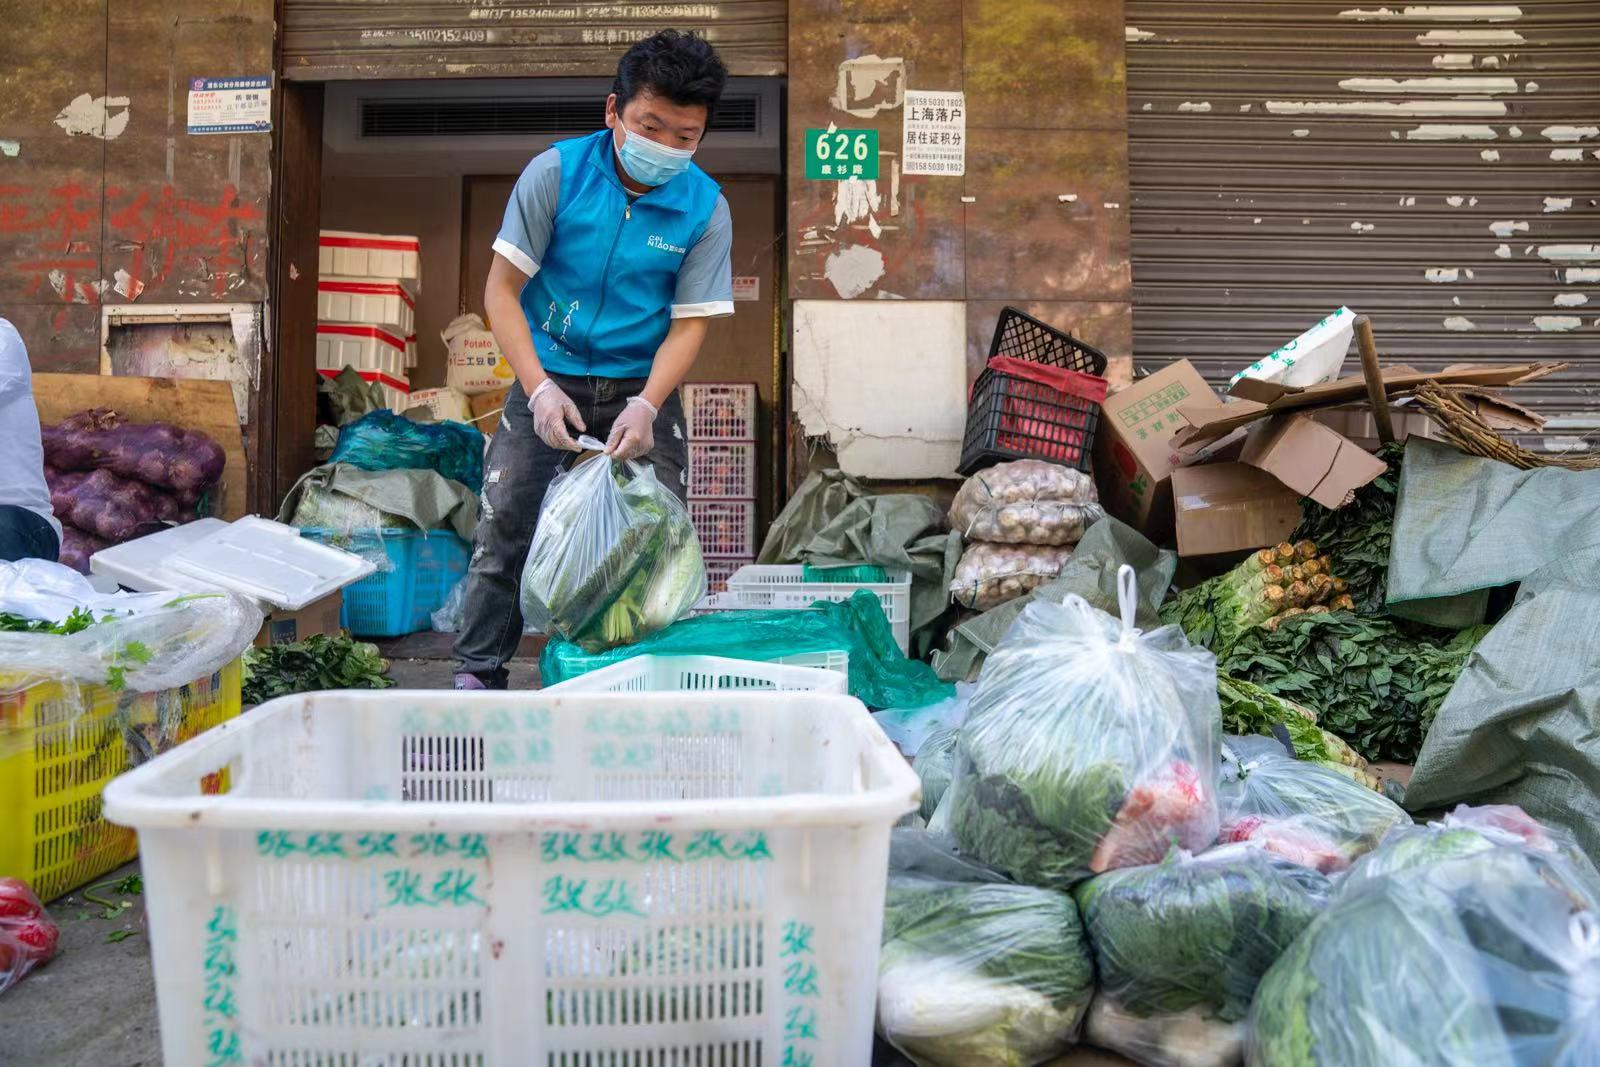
(633, 434)
(553, 411)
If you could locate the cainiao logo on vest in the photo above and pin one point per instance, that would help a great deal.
(657, 241)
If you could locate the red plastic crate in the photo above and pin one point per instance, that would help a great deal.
(726, 528)
(722, 470)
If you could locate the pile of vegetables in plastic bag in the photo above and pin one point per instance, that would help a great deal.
(1248, 709)
(1308, 814)
(1475, 951)
(1088, 745)
(111, 480)
(976, 971)
(1180, 945)
(614, 557)
(1021, 520)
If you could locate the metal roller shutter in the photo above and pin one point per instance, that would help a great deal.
(1435, 166)
(327, 40)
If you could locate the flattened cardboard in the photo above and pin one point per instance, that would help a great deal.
(1355, 422)
(1311, 459)
(1134, 454)
(1231, 507)
(1257, 399)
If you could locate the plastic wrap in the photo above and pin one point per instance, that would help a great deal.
(1179, 1039)
(347, 523)
(1028, 501)
(935, 764)
(1088, 745)
(910, 728)
(991, 574)
(158, 454)
(1191, 936)
(1484, 959)
(880, 674)
(1470, 830)
(28, 936)
(1309, 814)
(980, 973)
(382, 440)
(614, 557)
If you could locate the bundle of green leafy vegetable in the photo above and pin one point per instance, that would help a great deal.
(1462, 958)
(1371, 681)
(1357, 536)
(1248, 709)
(1196, 931)
(614, 558)
(981, 974)
(319, 662)
(1270, 585)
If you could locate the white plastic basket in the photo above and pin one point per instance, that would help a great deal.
(718, 571)
(725, 527)
(669, 674)
(524, 878)
(723, 470)
(720, 411)
(764, 587)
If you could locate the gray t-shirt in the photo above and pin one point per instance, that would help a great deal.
(705, 280)
(22, 472)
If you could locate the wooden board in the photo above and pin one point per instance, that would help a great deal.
(188, 403)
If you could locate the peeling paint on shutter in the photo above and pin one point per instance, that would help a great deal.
(325, 40)
(1435, 166)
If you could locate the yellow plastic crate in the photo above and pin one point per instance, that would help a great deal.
(61, 744)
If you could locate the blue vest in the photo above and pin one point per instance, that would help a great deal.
(601, 301)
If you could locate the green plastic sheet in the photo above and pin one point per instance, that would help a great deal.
(1522, 723)
(1091, 573)
(880, 676)
(832, 521)
(421, 497)
(383, 441)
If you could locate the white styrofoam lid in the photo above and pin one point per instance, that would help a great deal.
(141, 564)
(271, 562)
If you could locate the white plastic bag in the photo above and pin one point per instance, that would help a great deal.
(1310, 359)
(613, 558)
(1089, 745)
(990, 574)
(1027, 501)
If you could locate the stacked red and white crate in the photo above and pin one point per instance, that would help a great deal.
(367, 287)
(721, 418)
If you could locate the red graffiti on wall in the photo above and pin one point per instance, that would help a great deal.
(161, 234)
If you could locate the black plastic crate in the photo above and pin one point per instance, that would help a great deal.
(1021, 336)
(1017, 418)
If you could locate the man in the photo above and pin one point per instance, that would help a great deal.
(612, 259)
(28, 528)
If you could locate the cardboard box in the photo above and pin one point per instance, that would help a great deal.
(1134, 451)
(1311, 459)
(1355, 421)
(1231, 507)
(319, 617)
(485, 408)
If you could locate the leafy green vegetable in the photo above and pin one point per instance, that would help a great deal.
(120, 935)
(981, 975)
(319, 662)
(935, 766)
(1372, 682)
(1249, 709)
(1196, 931)
(1357, 536)
(80, 619)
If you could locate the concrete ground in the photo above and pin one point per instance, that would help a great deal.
(94, 1004)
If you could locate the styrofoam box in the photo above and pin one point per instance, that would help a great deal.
(344, 344)
(370, 255)
(396, 391)
(669, 674)
(726, 528)
(411, 351)
(722, 470)
(374, 301)
(520, 878)
(720, 411)
(761, 587)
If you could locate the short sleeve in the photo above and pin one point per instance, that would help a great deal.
(705, 281)
(531, 213)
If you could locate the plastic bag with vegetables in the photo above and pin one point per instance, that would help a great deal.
(1481, 958)
(1188, 939)
(1088, 745)
(1028, 501)
(614, 557)
(1309, 814)
(990, 574)
(976, 971)
(1468, 830)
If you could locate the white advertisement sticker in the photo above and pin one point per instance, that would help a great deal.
(935, 133)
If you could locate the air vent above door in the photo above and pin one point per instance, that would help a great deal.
(423, 117)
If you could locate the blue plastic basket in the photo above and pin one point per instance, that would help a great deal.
(399, 601)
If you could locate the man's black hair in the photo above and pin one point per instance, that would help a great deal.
(679, 66)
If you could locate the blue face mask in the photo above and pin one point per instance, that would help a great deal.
(649, 163)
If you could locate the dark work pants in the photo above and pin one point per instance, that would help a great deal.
(25, 535)
(519, 470)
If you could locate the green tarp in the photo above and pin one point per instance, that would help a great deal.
(1522, 724)
(423, 497)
